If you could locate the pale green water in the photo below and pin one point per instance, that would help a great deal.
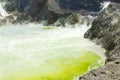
(35, 53)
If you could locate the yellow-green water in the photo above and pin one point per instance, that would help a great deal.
(32, 53)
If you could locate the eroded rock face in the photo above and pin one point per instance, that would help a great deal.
(69, 5)
(76, 5)
(50, 11)
(38, 11)
(106, 29)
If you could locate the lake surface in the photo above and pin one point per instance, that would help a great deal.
(34, 52)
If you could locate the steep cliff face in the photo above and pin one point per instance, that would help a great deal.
(78, 5)
(69, 5)
(38, 11)
(106, 30)
(50, 11)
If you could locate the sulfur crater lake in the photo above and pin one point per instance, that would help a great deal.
(33, 52)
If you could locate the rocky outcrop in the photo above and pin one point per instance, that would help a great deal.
(59, 6)
(50, 11)
(38, 11)
(106, 30)
(77, 6)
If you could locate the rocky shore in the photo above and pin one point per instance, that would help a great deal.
(105, 28)
(106, 31)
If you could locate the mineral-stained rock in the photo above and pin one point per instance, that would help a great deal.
(106, 29)
(110, 71)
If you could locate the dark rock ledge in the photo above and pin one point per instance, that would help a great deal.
(106, 29)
